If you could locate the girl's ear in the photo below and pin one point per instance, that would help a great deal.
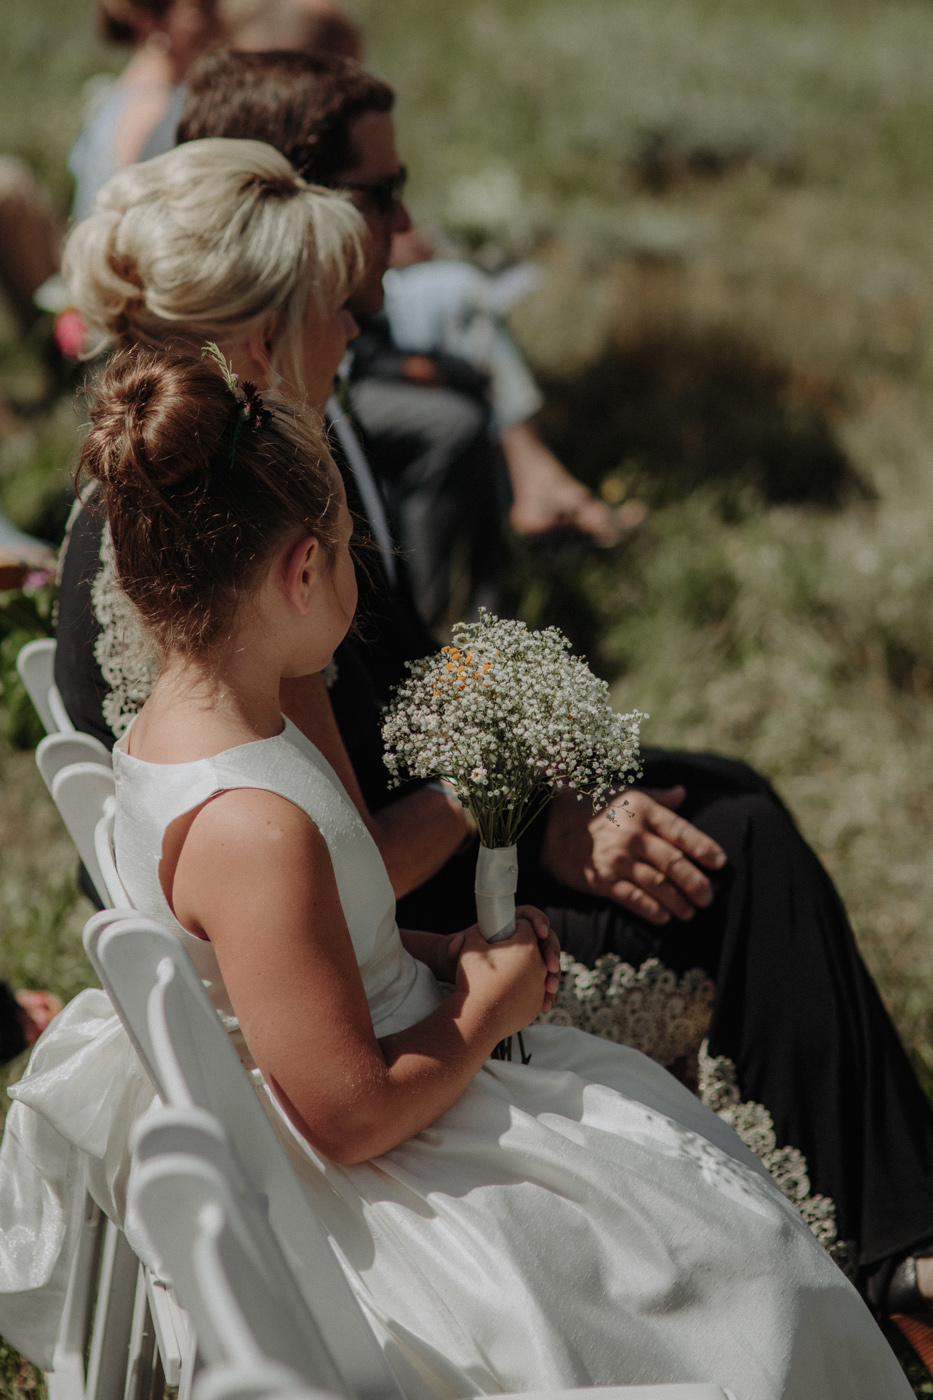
(298, 571)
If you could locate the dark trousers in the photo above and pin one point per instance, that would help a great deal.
(445, 482)
(795, 1008)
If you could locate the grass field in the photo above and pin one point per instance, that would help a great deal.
(733, 208)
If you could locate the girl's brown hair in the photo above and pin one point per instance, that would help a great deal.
(196, 506)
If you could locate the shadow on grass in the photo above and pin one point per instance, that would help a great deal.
(666, 414)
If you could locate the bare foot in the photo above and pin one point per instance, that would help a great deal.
(632, 514)
(36, 1010)
(565, 505)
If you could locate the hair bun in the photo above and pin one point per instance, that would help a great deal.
(158, 420)
(195, 523)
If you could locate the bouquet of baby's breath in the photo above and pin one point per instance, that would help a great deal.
(509, 718)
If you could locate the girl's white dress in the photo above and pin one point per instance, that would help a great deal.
(581, 1220)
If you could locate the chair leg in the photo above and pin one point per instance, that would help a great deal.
(192, 1366)
(67, 1381)
(113, 1318)
(173, 1331)
(145, 1379)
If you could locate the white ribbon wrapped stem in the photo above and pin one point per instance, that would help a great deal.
(496, 883)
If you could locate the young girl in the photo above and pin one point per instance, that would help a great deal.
(578, 1220)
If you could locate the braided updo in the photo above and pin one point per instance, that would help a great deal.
(196, 508)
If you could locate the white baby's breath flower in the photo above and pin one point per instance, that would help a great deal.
(509, 717)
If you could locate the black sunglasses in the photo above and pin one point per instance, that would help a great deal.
(386, 194)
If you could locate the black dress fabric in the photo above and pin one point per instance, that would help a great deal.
(12, 1036)
(795, 1008)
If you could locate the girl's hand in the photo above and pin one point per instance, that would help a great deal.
(549, 947)
(506, 982)
(449, 947)
(438, 951)
(446, 970)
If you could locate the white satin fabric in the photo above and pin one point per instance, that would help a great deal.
(582, 1220)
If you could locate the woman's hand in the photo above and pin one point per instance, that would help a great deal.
(647, 860)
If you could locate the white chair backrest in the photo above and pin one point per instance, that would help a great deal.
(35, 663)
(220, 1252)
(117, 896)
(58, 751)
(80, 792)
(192, 1063)
(267, 1381)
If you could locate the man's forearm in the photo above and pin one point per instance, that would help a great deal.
(417, 835)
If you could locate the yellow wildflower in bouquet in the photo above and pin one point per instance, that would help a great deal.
(509, 717)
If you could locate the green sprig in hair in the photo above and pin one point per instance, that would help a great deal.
(251, 410)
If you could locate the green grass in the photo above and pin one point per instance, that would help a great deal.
(733, 208)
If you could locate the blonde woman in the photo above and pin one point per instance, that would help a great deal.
(220, 240)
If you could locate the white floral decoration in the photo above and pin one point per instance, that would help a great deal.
(649, 1007)
(509, 717)
(123, 649)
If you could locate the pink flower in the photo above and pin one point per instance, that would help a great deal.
(70, 333)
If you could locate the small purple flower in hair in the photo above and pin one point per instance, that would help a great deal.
(254, 411)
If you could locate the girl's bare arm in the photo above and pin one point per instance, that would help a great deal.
(254, 876)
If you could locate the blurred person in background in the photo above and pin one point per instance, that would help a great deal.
(442, 318)
(30, 239)
(446, 406)
(707, 870)
(30, 242)
(305, 26)
(439, 306)
(24, 1015)
(136, 116)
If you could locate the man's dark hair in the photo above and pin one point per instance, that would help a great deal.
(302, 104)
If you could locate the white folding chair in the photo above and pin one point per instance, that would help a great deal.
(66, 1380)
(80, 792)
(58, 751)
(35, 663)
(103, 849)
(192, 1063)
(266, 1381)
(128, 1336)
(245, 1302)
(224, 1261)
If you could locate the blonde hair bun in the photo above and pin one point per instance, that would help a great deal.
(206, 242)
